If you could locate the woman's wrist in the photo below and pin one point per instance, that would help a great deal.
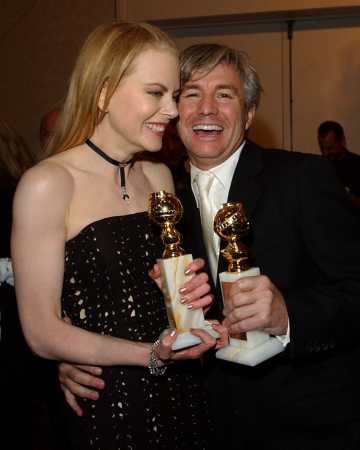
(156, 365)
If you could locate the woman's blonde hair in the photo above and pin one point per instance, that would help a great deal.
(105, 58)
(15, 155)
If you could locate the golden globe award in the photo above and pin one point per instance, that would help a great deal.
(166, 210)
(252, 347)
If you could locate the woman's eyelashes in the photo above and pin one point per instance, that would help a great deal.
(159, 94)
(156, 93)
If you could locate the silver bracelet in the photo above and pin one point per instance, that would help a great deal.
(154, 361)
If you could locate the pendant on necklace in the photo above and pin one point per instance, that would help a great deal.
(120, 165)
(121, 176)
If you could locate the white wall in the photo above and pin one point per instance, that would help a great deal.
(325, 49)
(326, 83)
(167, 9)
(39, 41)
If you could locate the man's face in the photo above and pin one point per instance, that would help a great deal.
(212, 116)
(331, 147)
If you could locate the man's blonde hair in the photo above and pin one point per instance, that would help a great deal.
(198, 60)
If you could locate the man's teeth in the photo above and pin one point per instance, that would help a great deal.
(207, 127)
(156, 127)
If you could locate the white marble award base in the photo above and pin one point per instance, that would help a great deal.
(256, 346)
(180, 317)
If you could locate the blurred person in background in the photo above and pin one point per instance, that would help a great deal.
(17, 362)
(47, 125)
(332, 143)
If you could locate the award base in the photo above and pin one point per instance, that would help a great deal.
(249, 348)
(250, 356)
(180, 317)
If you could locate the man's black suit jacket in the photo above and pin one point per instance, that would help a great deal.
(305, 238)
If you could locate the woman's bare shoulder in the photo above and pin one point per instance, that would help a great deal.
(48, 180)
(159, 175)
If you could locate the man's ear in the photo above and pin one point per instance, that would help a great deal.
(102, 97)
(250, 114)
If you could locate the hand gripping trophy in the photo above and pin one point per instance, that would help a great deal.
(166, 210)
(252, 347)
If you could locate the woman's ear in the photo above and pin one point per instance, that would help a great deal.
(102, 97)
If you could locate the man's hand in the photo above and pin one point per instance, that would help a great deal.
(78, 380)
(255, 303)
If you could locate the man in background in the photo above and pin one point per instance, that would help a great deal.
(332, 143)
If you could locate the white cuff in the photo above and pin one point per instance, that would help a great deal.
(285, 338)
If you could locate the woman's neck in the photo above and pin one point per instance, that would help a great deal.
(111, 144)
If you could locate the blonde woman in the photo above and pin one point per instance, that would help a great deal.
(83, 246)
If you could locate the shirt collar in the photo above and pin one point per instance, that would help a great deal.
(223, 172)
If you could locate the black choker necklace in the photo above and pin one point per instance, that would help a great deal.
(121, 166)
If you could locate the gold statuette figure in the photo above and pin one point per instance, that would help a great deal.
(166, 210)
(253, 347)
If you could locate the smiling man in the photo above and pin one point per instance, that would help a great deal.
(304, 238)
(214, 116)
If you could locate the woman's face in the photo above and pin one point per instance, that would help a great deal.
(143, 103)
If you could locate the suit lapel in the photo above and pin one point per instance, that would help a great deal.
(246, 185)
(193, 240)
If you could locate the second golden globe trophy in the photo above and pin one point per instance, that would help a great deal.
(166, 210)
(252, 347)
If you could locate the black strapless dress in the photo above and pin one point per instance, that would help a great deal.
(107, 290)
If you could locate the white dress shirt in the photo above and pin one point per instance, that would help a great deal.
(219, 191)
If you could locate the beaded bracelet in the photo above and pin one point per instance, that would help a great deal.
(154, 361)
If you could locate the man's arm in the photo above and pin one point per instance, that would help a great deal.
(82, 381)
(323, 307)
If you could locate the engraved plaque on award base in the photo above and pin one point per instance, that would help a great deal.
(166, 210)
(253, 347)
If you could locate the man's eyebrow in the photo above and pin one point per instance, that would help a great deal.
(190, 86)
(227, 86)
(231, 87)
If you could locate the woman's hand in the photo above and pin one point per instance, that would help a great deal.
(165, 354)
(195, 293)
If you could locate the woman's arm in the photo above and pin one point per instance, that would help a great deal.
(38, 239)
(41, 209)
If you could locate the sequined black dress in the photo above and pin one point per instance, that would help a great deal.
(107, 290)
